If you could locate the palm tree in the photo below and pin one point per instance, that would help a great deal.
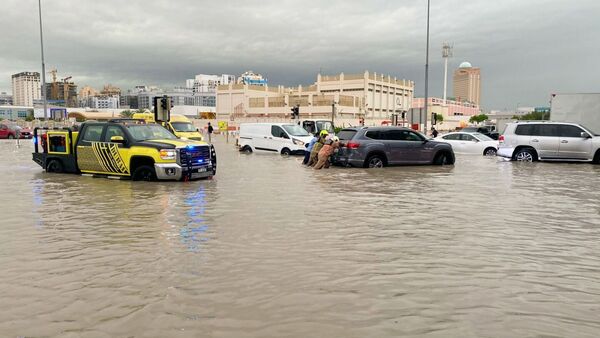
(126, 114)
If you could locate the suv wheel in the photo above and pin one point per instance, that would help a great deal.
(374, 161)
(524, 155)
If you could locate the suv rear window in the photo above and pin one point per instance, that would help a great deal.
(346, 134)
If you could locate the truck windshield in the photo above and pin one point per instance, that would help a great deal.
(142, 132)
(325, 125)
(183, 126)
(295, 130)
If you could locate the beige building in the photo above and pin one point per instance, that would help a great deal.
(467, 83)
(368, 95)
(26, 88)
(110, 90)
(87, 91)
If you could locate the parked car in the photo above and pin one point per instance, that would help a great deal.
(376, 147)
(482, 130)
(470, 143)
(24, 132)
(550, 141)
(7, 131)
(282, 138)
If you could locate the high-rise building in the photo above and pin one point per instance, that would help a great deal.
(110, 90)
(62, 93)
(26, 88)
(467, 83)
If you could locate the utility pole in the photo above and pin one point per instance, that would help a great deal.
(43, 66)
(426, 72)
(446, 53)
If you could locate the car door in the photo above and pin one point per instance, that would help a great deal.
(454, 141)
(117, 155)
(279, 138)
(404, 146)
(572, 145)
(3, 131)
(88, 159)
(545, 139)
(469, 144)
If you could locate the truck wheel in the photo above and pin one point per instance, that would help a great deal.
(54, 166)
(144, 173)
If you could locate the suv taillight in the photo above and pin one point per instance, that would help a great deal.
(501, 139)
(353, 145)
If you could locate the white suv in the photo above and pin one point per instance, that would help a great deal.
(549, 141)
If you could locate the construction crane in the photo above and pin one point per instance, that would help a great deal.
(53, 71)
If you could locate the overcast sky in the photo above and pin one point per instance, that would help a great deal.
(526, 49)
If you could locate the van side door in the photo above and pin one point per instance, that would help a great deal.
(279, 138)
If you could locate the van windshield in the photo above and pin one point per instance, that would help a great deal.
(295, 130)
(183, 126)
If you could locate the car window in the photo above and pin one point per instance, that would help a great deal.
(113, 131)
(346, 134)
(92, 133)
(466, 137)
(401, 135)
(451, 137)
(546, 130)
(277, 131)
(373, 134)
(569, 131)
(482, 137)
(524, 129)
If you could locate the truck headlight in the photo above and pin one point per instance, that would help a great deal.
(298, 142)
(168, 154)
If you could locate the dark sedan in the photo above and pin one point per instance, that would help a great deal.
(376, 147)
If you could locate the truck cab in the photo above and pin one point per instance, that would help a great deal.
(179, 125)
(126, 148)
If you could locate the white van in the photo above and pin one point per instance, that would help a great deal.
(282, 138)
(315, 126)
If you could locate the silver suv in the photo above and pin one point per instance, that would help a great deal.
(549, 141)
(376, 147)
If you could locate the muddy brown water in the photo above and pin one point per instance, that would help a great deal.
(485, 248)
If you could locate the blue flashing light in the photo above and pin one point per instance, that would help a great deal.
(200, 161)
(190, 147)
(34, 139)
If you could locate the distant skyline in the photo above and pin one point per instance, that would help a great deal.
(526, 50)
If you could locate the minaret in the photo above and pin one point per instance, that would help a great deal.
(446, 53)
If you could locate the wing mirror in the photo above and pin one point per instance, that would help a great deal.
(117, 139)
(585, 135)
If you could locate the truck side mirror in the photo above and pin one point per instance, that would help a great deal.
(117, 139)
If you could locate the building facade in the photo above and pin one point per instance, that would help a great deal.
(467, 83)
(367, 95)
(87, 91)
(62, 93)
(14, 113)
(101, 102)
(6, 99)
(26, 88)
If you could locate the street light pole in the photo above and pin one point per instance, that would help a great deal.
(426, 72)
(43, 65)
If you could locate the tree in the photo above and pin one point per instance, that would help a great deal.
(126, 113)
(141, 111)
(439, 118)
(478, 118)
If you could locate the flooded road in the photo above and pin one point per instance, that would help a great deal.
(485, 248)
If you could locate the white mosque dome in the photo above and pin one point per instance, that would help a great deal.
(465, 65)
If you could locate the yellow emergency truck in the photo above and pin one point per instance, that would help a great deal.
(179, 125)
(125, 148)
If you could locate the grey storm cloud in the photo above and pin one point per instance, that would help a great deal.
(526, 49)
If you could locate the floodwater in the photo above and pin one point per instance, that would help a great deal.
(485, 248)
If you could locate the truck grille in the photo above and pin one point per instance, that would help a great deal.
(193, 156)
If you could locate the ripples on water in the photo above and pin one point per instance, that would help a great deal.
(485, 248)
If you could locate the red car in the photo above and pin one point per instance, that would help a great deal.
(25, 132)
(7, 132)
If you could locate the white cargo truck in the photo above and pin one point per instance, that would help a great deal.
(583, 109)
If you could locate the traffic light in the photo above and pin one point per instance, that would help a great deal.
(403, 115)
(295, 111)
(162, 108)
(433, 118)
